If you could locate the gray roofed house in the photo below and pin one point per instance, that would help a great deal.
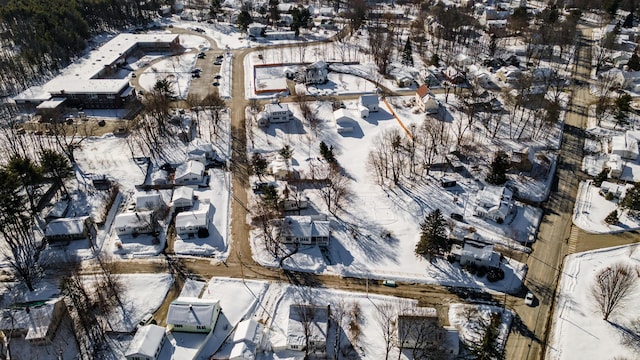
(38, 324)
(191, 172)
(306, 230)
(316, 320)
(70, 229)
(370, 101)
(146, 343)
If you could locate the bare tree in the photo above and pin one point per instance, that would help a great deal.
(338, 315)
(386, 318)
(612, 287)
(335, 190)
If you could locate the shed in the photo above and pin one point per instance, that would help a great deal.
(625, 146)
(182, 197)
(146, 343)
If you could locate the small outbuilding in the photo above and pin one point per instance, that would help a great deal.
(182, 197)
(370, 101)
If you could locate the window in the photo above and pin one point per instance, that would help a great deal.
(93, 96)
(201, 327)
(178, 325)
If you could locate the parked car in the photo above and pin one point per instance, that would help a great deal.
(146, 320)
(456, 216)
(528, 300)
(195, 75)
(215, 83)
(390, 283)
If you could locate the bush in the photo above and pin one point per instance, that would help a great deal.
(203, 233)
(612, 218)
(609, 196)
(471, 268)
(451, 258)
(495, 274)
(602, 176)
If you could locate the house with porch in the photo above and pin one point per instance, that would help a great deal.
(495, 203)
(146, 343)
(305, 230)
(476, 252)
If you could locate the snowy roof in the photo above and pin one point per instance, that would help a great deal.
(188, 168)
(83, 77)
(36, 321)
(316, 316)
(477, 250)
(194, 218)
(342, 114)
(182, 192)
(66, 226)
(371, 99)
(271, 108)
(248, 331)
(304, 226)
(59, 209)
(52, 103)
(191, 311)
(241, 351)
(146, 200)
(491, 195)
(146, 341)
(132, 219)
(318, 65)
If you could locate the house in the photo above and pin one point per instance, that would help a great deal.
(453, 76)
(476, 252)
(311, 320)
(280, 168)
(191, 172)
(625, 146)
(419, 328)
(316, 73)
(345, 121)
(134, 223)
(189, 314)
(182, 197)
(618, 191)
(277, 113)
(615, 166)
(203, 153)
(191, 222)
(146, 343)
(246, 338)
(509, 74)
(426, 102)
(149, 200)
(370, 101)
(494, 202)
(68, 229)
(305, 230)
(38, 324)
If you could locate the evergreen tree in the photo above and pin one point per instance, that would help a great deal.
(274, 12)
(259, 164)
(612, 218)
(433, 236)
(244, 19)
(286, 152)
(56, 167)
(622, 105)
(407, 56)
(487, 348)
(498, 169)
(634, 62)
(29, 176)
(631, 200)
(327, 152)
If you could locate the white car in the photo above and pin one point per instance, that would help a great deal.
(528, 300)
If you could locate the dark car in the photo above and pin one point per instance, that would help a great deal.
(456, 216)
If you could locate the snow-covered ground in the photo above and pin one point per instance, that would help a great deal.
(175, 69)
(579, 332)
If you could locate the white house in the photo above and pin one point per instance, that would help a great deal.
(146, 343)
(189, 314)
(618, 191)
(475, 252)
(182, 197)
(494, 202)
(316, 320)
(67, 229)
(316, 73)
(37, 324)
(344, 119)
(364, 111)
(509, 74)
(426, 102)
(624, 146)
(202, 153)
(276, 113)
(189, 222)
(279, 168)
(615, 166)
(148, 200)
(305, 230)
(191, 172)
(370, 101)
(134, 223)
(241, 351)
(420, 328)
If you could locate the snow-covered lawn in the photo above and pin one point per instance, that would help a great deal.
(175, 69)
(592, 208)
(579, 332)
